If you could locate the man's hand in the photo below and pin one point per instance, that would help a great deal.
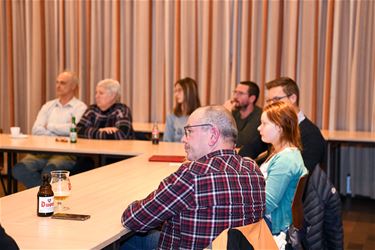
(109, 130)
(229, 105)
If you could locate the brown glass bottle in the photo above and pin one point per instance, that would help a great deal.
(155, 135)
(45, 197)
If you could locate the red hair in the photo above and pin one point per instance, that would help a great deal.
(285, 116)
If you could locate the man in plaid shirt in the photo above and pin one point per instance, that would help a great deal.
(216, 189)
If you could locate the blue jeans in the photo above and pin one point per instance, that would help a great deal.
(142, 241)
(30, 169)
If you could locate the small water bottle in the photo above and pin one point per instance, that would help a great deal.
(155, 134)
(348, 185)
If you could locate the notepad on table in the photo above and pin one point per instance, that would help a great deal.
(167, 158)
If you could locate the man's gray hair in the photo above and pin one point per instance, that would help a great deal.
(73, 77)
(112, 86)
(222, 119)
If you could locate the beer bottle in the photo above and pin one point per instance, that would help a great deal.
(45, 197)
(155, 134)
(73, 131)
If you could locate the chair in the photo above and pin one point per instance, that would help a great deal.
(294, 231)
(297, 204)
(262, 157)
(257, 234)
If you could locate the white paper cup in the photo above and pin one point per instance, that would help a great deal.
(15, 131)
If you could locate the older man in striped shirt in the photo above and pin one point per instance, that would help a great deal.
(214, 190)
(108, 118)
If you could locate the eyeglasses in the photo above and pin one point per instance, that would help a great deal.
(276, 98)
(178, 90)
(188, 131)
(61, 82)
(235, 92)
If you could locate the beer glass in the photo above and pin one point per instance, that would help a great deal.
(61, 187)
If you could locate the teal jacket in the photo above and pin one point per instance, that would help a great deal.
(284, 170)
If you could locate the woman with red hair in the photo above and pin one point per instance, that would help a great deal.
(284, 166)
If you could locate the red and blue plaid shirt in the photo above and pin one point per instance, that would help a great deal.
(201, 199)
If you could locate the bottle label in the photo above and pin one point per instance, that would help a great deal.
(45, 204)
(155, 134)
(73, 137)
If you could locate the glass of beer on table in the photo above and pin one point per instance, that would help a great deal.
(61, 187)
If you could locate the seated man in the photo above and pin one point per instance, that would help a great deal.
(314, 146)
(214, 190)
(54, 119)
(108, 118)
(247, 117)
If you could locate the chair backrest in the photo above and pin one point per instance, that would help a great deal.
(1, 155)
(261, 157)
(258, 234)
(297, 204)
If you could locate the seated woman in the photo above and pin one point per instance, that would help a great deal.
(108, 118)
(187, 100)
(284, 166)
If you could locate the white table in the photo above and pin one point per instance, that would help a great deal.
(103, 193)
(48, 144)
(336, 139)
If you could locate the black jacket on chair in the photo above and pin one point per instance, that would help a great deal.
(322, 213)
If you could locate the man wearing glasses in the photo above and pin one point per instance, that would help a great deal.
(214, 190)
(247, 117)
(313, 144)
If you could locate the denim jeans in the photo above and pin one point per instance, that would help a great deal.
(268, 220)
(142, 241)
(30, 169)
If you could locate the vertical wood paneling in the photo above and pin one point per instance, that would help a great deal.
(118, 41)
(220, 58)
(294, 76)
(263, 61)
(10, 65)
(280, 32)
(328, 65)
(87, 51)
(177, 39)
(42, 50)
(315, 64)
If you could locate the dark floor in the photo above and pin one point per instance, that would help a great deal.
(359, 223)
(358, 220)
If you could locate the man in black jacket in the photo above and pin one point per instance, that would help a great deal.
(314, 146)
